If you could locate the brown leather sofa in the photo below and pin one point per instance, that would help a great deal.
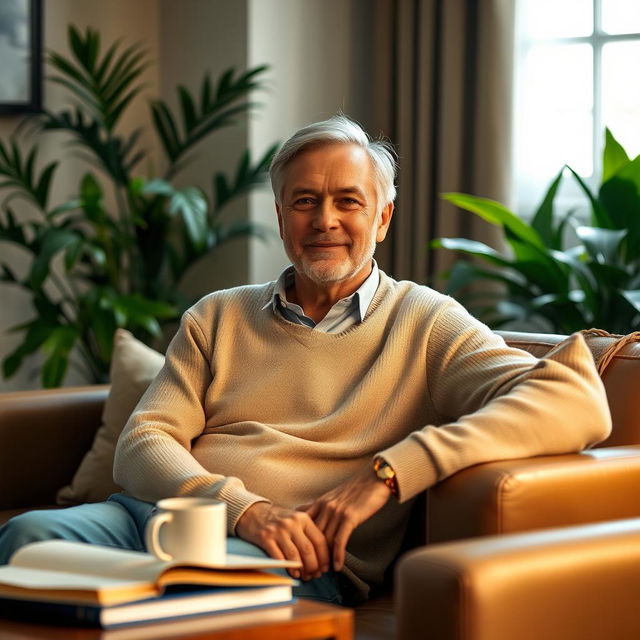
(567, 583)
(44, 435)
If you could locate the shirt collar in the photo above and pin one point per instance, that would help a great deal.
(364, 294)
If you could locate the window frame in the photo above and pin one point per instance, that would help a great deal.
(597, 40)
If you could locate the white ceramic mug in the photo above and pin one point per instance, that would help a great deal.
(189, 530)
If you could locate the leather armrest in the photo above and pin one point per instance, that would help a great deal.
(571, 582)
(43, 437)
(536, 493)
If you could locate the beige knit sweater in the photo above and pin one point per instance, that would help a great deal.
(250, 407)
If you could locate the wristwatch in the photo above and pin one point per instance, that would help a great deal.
(384, 471)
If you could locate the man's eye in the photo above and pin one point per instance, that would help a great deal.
(350, 203)
(304, 203)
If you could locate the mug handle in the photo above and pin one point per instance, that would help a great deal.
(152, 536)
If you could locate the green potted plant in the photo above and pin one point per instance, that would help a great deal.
(122, 263)
(545, 281)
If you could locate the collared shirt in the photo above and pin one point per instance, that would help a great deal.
(342, 315)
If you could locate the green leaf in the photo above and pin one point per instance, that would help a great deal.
(167, 130)
(558, 241)
(543, 219)
(90, 190)
(614, 157)
(539, 267)
(44, 184)
(581, 271)
(12, 231)
(88, 133)
(158, 187)
(465, 274)
(609, 277)
(106, 61)
(599, 214)
(603, 245)
(567, 306)
(189, 116)
(101, 83)
(73, 252)
(633, 298)
(247, 177)
(37, 331)
(53, 241)
(65, 207)
(621, 197)
(20, 173)
(97, 305)
(137, 311)
(229, 102)
(222, 190)
(205, 94)
(471, 247)
(191, 204)
(496, 214)
(57, 347)
(8, 275)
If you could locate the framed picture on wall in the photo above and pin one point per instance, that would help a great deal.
(20, 56)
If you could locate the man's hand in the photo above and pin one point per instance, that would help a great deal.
(339, 511)
(286, 534)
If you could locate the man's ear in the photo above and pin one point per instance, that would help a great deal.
(279, 214)
(384, 222)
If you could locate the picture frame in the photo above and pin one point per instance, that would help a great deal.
(21, 56)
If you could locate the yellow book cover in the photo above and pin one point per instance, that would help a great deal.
(79, 573)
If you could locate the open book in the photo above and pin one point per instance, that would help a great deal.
(77, 573)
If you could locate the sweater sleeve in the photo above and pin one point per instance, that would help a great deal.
(153, 455)
(498, 403)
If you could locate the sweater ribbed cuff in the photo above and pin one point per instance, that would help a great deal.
(238, 500)
(413, 466)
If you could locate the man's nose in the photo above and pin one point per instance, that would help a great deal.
(325, 216)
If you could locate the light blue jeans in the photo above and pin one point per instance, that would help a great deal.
(120, 522)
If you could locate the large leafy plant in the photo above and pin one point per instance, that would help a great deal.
(115, 255)
(551, 279)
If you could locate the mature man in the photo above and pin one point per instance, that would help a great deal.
(318, 406)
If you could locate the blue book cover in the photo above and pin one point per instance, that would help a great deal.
(177, 602)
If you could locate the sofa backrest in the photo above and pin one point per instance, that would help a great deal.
(618, 360)
(44, 435)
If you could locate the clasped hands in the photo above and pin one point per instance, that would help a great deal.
(315, 534)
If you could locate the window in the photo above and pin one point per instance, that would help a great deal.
(577, 71)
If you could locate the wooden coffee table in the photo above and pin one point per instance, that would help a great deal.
(304, 620)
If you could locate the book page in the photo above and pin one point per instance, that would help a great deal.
(236, 561)
(40, 584)
(88, 559)
(191, 627)
(91, 559)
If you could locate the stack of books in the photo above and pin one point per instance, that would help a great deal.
(73, 582)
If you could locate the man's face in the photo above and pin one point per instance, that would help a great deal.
(327, 215)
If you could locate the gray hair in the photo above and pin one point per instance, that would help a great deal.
(342, 130)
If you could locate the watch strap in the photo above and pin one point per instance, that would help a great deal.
(384, 471)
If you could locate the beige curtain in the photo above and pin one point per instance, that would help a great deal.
(443, 89)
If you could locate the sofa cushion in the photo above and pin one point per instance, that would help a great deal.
(133, 367)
